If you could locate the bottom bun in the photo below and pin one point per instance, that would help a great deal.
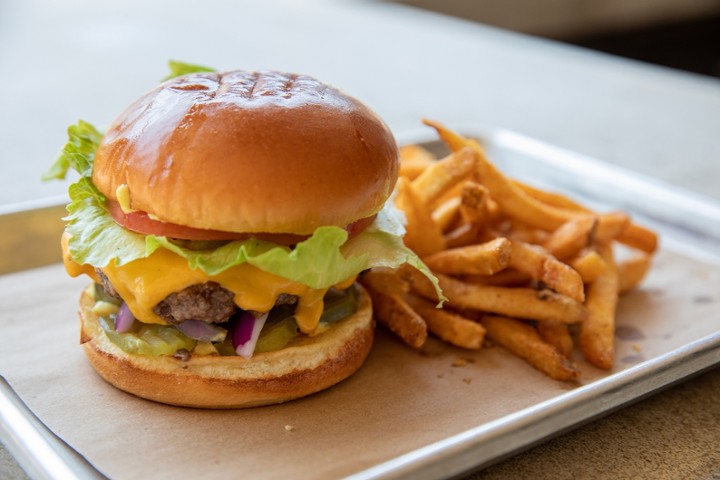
(306, 366)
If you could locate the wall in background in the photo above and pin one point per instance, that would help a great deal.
(683, 34)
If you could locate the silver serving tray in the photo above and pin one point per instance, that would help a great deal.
(686, 222)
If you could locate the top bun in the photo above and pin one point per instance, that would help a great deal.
(249, 152)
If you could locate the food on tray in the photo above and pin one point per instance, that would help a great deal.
(224, 218)
(530, 270)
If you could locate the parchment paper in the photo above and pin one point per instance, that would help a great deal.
(399, 401)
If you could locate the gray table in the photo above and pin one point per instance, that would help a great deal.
(67, 60)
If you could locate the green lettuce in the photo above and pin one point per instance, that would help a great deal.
(323, 260)
(78, 153)
(181, 68)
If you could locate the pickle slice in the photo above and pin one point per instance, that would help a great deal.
(339, 305)
(150, 340)
(277, 335)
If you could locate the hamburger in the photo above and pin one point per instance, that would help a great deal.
(223, 218)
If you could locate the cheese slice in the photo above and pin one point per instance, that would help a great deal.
(145, 282)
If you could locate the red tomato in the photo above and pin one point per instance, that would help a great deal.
(140, 222)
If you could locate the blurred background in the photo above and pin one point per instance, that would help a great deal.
(681, 34)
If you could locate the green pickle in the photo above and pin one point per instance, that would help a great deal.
(277, 335)
(150, 340)
(278, 332)
(339, 304)
(99, 295)
(225, 347)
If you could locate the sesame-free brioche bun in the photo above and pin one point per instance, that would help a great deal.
(249, 152)
(307, 365)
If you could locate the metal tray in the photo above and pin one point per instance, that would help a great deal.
(687, 223)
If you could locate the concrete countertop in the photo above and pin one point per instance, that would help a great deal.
(67, 60)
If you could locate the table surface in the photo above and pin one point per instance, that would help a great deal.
(62, 61)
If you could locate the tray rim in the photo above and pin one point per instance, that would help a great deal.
(481, 445)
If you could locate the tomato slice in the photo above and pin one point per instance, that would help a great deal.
(141, 222)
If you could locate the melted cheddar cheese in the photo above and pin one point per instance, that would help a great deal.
(145, 282)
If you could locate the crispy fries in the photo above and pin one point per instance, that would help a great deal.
(589, 264)
(423, 234)
(610, 226)
(551, 198)
(571, 237)
(482, 259)
(542, 266)
(525, 342)
(534, 271)
(386, 291)
(633, 270)
(414, 159)
(527, 303)
(441, 176)
(473, 203)
(639, 237)
(446, 213)
(447, 325)
(454, 141)
(597, 332)
(557, 334)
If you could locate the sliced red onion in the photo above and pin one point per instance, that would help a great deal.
(203, 331)
(124, 319)
(242, 329)
(246, 333)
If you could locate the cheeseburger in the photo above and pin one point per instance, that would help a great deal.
(223, 219)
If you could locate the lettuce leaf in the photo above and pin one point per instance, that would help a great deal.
(323, 260)
(181, 68)
(78, 153)
(95, 238)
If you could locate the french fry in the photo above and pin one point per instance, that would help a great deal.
(610, 226)
(525, 342)
(597, 331)
(515, 203)
(454, 141)
(440, 176)
(448, 326)
(447, 213)
(423, 234)
(473, 199)
(639, 237)
(392, 311)
(571, 237)
(385, 280)
(589, 264)
(483, 259)
(542, 266)
(507, 278)
(557, 335)
(462, 236)
(517, 231)
(632, 271)
(542, 305)
(552, 199)
(414, 159)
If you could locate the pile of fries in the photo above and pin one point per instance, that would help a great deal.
(530, 270)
